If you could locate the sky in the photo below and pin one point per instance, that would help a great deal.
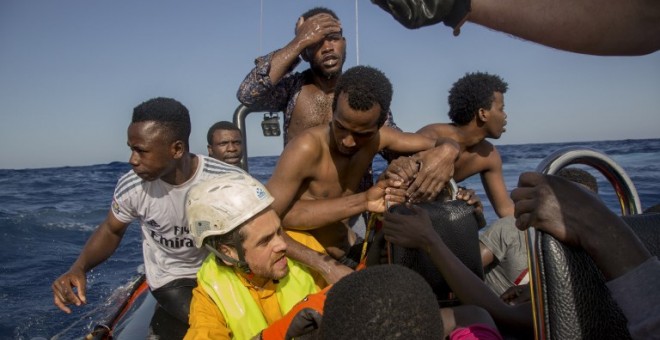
(71, 72)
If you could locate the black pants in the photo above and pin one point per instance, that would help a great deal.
(175, 296)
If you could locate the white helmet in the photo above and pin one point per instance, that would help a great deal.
(219, 205)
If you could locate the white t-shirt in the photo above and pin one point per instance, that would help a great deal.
(167, 246)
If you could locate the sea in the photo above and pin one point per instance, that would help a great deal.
(46, 215)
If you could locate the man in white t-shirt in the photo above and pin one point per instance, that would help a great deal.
(153, 192)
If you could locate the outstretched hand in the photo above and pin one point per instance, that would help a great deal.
(471, 198)
(409, 228)
(403, 169)
(64, 293)
(516, 295)
(436, 168)
(384, 193)
(559, 207)
(577, 217)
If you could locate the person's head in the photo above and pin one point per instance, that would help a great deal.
(158, 137)
(362, 99)
(479, 96)
(579, 176)
(231, 215)
(381, 302)
(653, 209)
(327, 57)
(225, 142)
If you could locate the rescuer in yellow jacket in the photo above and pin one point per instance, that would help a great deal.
(246, 283)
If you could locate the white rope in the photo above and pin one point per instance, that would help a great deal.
(357, 36)
(261, 23)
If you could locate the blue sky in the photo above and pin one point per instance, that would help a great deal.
(72, 71)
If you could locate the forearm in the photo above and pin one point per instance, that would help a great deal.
(615, 248)
(100, 246)
(329, 268)
(311, 214)
(471, 290)
(283, 60)
(504, 208)
(592, 27)
(259, 92)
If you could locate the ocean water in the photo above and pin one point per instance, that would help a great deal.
(46, 215)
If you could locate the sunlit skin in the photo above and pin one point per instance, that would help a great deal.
(318, 41)
(496, 121)
(478, 155)
(153, 154)
(227, 146)
(315, 183)
(326, 58)
(264, 247)
(351, 129)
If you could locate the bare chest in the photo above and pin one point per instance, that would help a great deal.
(313, 108)
(338, 176)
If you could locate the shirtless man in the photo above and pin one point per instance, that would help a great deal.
(315, 182)
(476, 109)
(304, 97)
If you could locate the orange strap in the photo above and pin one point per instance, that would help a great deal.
(279, 328)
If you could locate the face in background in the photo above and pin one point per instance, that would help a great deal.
(227, 146)
(327, 57)
(495, 116)
(264, 246)
(350, 128)
(153, 153)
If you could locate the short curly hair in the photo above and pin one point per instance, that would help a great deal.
(168, 113)
(381, 302)
(472, 92)
(579, 176)
(365, 86)
(221, 125)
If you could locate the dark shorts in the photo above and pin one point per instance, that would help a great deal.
(175, 296)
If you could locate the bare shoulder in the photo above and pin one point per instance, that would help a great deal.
(488, 153)
(438, 130)
(310, 142)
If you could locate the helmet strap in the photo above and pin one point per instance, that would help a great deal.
(240, 264)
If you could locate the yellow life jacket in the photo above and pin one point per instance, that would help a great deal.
(239, 308)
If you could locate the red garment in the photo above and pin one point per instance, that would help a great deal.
(478, 331)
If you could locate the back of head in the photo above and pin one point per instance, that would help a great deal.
(168, 113)
(365, 86)
(381, 302)
(471, 93)
(223, 204)
(579, 176)
(221, 125)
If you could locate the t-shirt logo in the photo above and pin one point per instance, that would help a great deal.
(115, 207)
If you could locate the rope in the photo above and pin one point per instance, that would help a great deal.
(261, 23)
(373, 219)
(357, 35)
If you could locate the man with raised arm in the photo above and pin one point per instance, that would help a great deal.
(305, 97)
